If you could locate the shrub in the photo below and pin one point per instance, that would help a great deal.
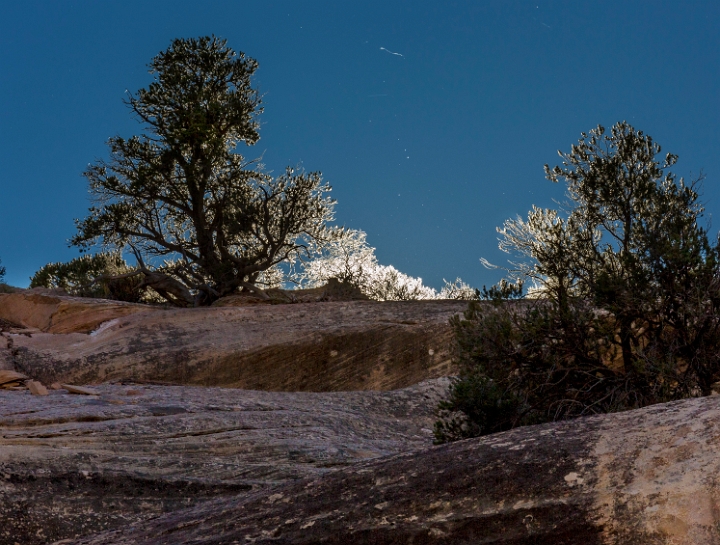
(103, 275)
(626, 305)
(351, 260)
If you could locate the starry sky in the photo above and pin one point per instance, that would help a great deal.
(431, 120)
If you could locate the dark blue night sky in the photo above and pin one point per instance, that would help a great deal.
(431, 120)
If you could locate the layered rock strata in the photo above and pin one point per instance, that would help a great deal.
(333, 346)
(42, 310)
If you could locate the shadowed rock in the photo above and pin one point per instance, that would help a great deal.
(642, 477)
(73, 465)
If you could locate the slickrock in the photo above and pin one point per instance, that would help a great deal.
(644, 477)
(10, 378)
(332, 346)
(75, 465)
(40, 309)
(150, 464)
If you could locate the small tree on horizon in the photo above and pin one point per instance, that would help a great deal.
(350, 259)
(200, 219)
(102, 275)
(627, 307)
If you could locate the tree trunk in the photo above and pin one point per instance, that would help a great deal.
(626, 346)
(169, 288)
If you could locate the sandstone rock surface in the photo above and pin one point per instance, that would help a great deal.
(332, 346)
(286, 466)
(41, 310)
(642, 477)
(73, 465)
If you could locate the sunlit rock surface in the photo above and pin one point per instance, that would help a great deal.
(44, 311)
(332, 346)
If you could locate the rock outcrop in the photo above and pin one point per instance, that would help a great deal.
(307, 461)
(42, 310)
(644, 477)
(333, 346)
(72, 465)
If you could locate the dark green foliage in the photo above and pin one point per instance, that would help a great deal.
(201, 220)
(102, 275)
(504, 291)
(626, 307)
(4, 288)
(478, 406)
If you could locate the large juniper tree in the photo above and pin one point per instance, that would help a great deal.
(627, 297)
(201, 220)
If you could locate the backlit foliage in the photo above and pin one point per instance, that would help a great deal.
(201, 220)
(352, 260)
(626, 305)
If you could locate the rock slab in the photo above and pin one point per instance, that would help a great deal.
(645, 477)
(42, 310)
(333, 346)
(73, 465)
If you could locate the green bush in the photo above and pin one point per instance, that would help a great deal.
(626, 302)
(478, 406)
(4, 288)
(103, 275)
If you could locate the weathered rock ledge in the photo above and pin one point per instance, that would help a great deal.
(42, 310)
(333, 346)
(642, 477)
(156, 464)
(74, 465)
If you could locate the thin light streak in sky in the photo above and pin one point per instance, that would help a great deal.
(490, 92)
(392, 53)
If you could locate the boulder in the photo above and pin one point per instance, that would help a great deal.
(331, 346)
(643, 477)
(73, 465)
